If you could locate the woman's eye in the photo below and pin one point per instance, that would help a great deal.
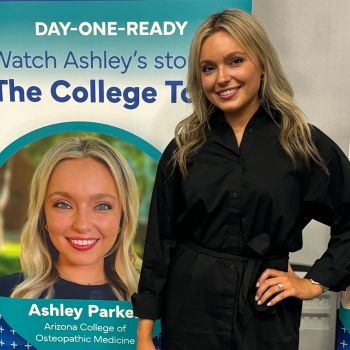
(236, 60)
(206, 69)
(62, 205)
(103, 206)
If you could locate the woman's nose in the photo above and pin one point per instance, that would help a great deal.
(224, 76)
(81, 221)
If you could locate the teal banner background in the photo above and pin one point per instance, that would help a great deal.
(98, 324)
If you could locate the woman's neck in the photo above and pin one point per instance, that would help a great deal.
(82, 274)
(238, 121)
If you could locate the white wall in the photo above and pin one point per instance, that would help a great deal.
(312, 38)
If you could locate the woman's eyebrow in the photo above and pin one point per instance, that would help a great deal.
(233, 53)
(94, 196)
(60, 193)
(103, 195)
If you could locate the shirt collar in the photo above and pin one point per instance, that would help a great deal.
(259, 119)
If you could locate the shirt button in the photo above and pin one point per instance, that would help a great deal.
(232, 267)
(234, 194)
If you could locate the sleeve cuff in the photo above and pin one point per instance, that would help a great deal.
(146, 306)
(331, 279)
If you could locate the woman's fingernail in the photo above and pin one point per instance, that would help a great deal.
(268, 304)
(259, 302)
(256, 298)
(257, 284)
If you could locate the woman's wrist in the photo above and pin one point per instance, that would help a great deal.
(323, 288)
(315, 287)
(145, 329)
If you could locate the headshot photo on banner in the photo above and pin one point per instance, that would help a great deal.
(174, 175)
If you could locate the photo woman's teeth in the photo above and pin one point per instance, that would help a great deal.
(83, 242)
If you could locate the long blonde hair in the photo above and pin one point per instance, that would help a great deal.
(37, 251)
(276, 94)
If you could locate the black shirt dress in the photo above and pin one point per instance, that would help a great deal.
(238, 211)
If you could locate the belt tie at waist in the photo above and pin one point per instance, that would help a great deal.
(254, 266)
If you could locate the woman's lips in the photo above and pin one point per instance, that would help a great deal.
(83, 244)
(229, 93)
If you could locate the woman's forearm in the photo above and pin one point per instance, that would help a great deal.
(145, 329)
(144, 335)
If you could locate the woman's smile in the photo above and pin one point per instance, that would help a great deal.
(228, 93)
(82, 244)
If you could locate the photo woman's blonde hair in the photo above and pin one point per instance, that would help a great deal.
(276, 94)
(38, 253)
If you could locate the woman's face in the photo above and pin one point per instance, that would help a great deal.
(83, 212)
(230, 78)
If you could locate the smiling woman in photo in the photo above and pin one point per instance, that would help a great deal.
(82, 217)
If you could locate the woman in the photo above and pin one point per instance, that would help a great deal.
(233, 192)
(77, 241)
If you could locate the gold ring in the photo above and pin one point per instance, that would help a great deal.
(280, 286)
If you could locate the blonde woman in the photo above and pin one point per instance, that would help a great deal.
(233, 192)
(82, 217)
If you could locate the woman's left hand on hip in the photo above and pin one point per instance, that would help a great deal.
(274, 286)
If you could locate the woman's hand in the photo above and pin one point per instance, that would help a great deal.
(144, 335)
(274, 286)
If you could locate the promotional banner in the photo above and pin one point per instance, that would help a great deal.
(112, 73)
(343, 321)
(343, 318)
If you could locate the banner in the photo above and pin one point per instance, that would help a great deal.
(114, 70)
(343, 317)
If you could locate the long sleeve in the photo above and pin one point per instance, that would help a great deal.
(327, 199)
(160, 240)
